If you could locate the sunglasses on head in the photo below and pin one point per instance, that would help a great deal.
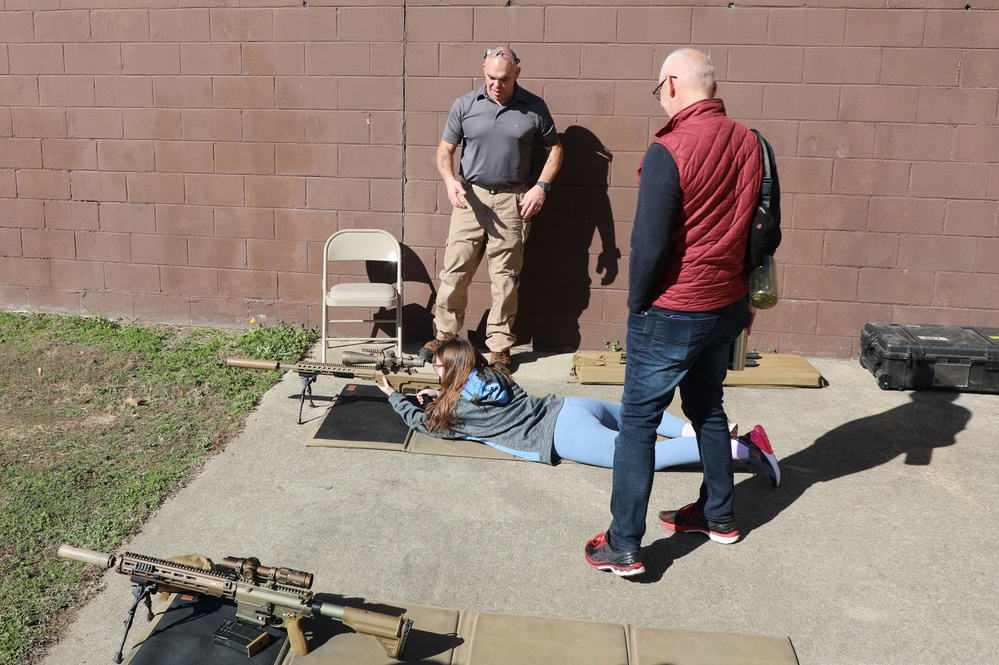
(502, 53)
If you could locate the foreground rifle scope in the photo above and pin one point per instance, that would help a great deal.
(251, 570)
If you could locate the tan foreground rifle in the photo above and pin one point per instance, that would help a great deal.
(264, 596)
(406, 383)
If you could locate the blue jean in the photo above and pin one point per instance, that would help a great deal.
(667, 349)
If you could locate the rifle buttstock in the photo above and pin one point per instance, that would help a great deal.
(389, 631)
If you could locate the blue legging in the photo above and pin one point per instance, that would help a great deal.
(586, 429)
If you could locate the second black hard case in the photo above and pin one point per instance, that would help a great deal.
(905, 356)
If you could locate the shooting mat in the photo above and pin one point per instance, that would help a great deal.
(451, 637)
(361, 417)
(774, 370)
(181, 634)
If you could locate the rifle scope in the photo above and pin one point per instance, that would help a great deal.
(251, 570)
(388, 359)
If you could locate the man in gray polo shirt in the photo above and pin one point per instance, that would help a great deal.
(494, 195)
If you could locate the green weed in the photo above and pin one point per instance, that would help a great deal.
(100, 422)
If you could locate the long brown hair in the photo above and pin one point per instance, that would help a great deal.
(458, 357)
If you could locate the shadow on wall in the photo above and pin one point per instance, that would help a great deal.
(911, 431)
(555, 283)
(417, 318)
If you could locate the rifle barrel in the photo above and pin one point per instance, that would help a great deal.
(102, 559)
(251, 363)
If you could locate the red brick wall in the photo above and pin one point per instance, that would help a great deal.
(184, 160)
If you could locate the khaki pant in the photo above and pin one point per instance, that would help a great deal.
(491, 225)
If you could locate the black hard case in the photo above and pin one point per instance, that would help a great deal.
(905, 356)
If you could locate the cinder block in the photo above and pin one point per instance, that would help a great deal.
(152, 123)
(51, 186)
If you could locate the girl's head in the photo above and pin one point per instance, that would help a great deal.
(454, 360)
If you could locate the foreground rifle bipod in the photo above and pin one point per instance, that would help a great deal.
(406, 382)
(264, 596)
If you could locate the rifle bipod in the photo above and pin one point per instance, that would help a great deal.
(308, 378)
(143, 591)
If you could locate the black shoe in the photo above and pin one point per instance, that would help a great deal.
(429, 349)
(690, 519)
(603, 556)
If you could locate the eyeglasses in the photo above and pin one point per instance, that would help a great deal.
(501, 53)
(656, 92)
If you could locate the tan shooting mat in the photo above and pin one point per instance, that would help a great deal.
(418, 443)
(775, 370)
(451, 637)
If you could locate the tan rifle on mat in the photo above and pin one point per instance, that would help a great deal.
(264, 596)
(408, 383)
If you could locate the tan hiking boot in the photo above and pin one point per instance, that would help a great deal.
(429, 349)
(500, 358)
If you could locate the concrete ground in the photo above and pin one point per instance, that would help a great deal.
(876, 548)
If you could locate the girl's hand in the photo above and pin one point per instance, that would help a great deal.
(384, 385)
(432, 393)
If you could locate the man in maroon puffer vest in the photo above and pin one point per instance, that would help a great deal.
(687, 298)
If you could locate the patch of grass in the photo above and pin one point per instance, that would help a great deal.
(100, 421)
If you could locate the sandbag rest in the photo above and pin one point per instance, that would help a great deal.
(773, 370)
(442, 636)
(451, 637)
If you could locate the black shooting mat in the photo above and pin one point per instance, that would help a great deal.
(183, 635)
(361, 414)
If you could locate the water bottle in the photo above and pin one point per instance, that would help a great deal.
(763, 284)
(737, 352)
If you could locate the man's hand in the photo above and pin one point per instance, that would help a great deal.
(531, 204)
(445, 165)
(455, 193)
(752, 317)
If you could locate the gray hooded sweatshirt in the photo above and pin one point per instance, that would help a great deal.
(498, 413)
